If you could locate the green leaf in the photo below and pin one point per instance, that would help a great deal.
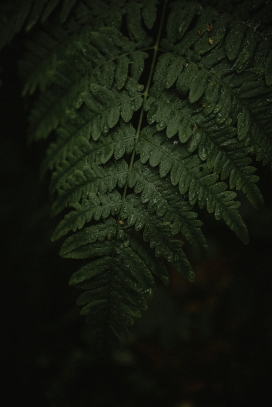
(185, 130)
(234, 40)
(154, 111)
(243, 124)
(162, 70)
(136, 32)
(89, 271)
(173, 125)
(137, 64)
(121, 72)
(179, 20)
(198, 86)
(173, 71)
(185, 78)
(149, 13)
(248, 47)
(224, 107)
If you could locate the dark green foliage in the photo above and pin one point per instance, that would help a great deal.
(156, 109)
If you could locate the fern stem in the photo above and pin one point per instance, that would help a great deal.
(146, 92)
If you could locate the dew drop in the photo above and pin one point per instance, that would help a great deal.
(105, 129)
(161, 125)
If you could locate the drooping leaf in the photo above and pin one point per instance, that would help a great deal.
(154, 109)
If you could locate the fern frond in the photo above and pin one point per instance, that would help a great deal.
(91, 179)
(91, 85)
(194, 178)
(26, 14)
(164, 199)
(156, 109)
(95, 207)
(117, 144)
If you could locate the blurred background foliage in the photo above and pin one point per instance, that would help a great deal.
(198, 345)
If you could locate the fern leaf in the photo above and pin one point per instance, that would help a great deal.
(185, 78)
(162, 198)
(162, 243)
(154, 264)
(91, 179)
(134, 26)
(125, 296)
(149, 13)
(198, 86)
(246, 54)
(156, 109)
(94, 207)
(179, 20)
(27, 14)
(234, 40)
(195, 179)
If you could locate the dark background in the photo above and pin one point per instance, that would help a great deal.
(198, 345)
